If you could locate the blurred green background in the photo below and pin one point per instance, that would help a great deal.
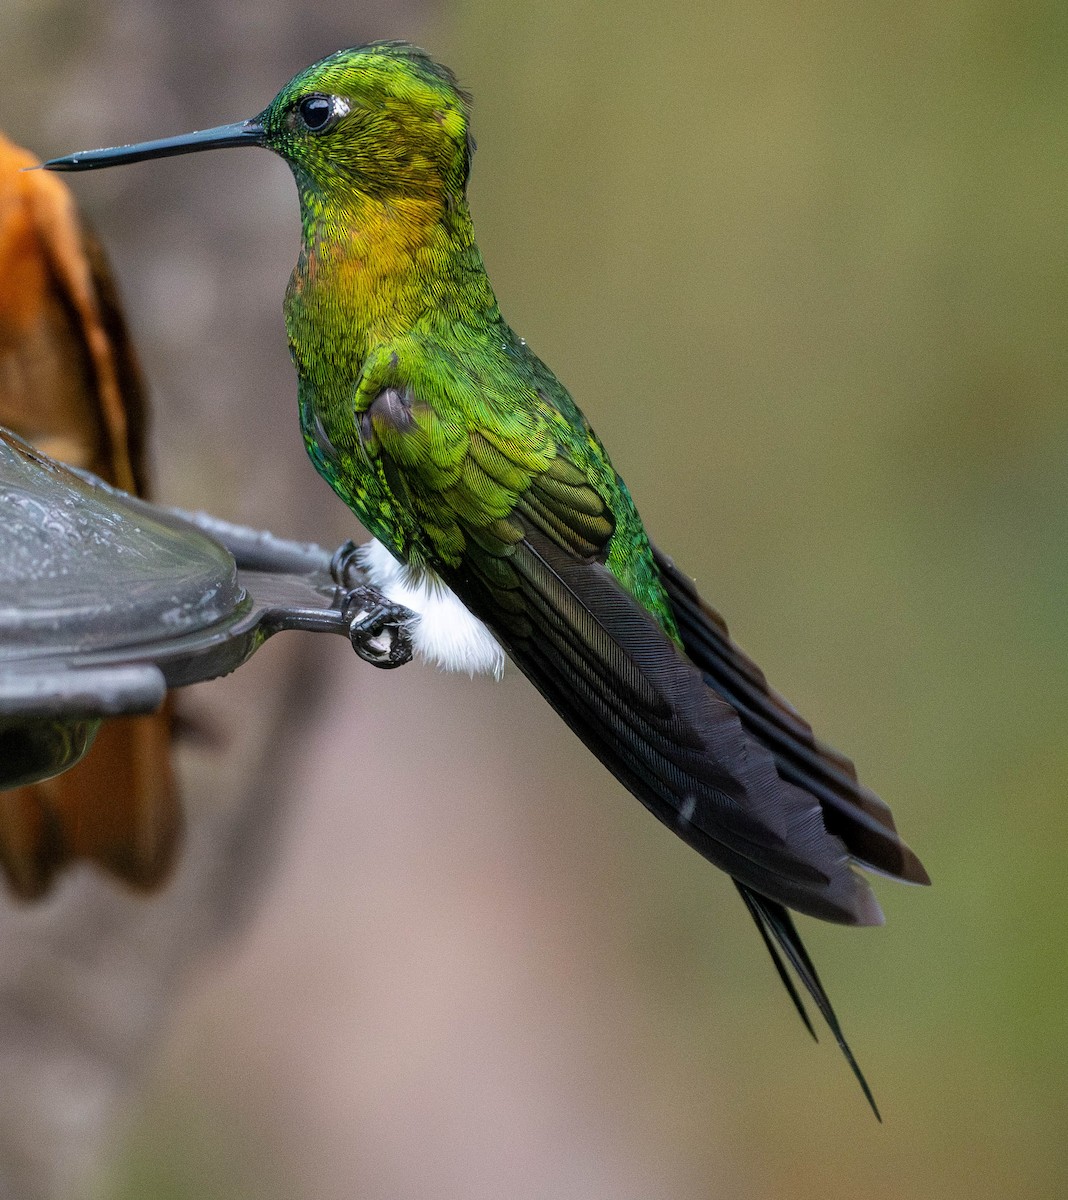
(804, 267)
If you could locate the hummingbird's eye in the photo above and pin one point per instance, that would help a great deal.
(319, 112)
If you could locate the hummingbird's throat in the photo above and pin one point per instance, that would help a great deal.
(383, 262)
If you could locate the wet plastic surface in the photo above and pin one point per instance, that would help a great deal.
(82, 570)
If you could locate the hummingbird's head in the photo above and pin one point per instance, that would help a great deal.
(382, 120)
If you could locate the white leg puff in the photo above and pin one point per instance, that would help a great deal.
(446, 634)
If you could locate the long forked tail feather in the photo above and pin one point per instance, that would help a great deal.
(782, 940)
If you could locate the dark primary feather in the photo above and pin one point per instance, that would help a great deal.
(851, 811)
(646, 711)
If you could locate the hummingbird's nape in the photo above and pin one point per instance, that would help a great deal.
(496, 514)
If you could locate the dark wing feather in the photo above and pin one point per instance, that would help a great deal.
(851, 811)
(620, 682)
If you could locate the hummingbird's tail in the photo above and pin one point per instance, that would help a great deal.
(782, 940)
(851, 811)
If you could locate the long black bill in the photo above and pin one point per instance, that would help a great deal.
(241, 133)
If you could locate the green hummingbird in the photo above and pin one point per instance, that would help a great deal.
(497, 516)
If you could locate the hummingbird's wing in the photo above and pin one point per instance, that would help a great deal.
(525, 538)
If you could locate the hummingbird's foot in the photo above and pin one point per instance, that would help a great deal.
(378, 629)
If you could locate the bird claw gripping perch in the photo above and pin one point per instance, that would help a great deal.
(378, 628)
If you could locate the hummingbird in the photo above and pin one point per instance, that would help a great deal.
(497, 517)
